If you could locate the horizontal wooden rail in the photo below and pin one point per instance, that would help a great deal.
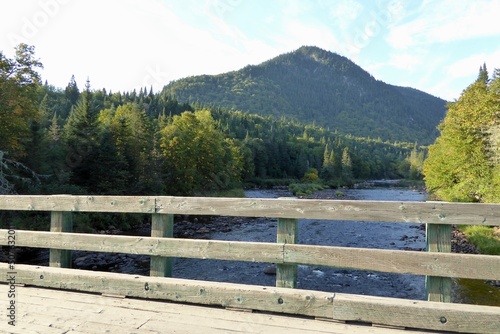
(394, 261)
(377, 310)
(376, 211)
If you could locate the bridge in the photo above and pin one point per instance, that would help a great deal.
(58, 299)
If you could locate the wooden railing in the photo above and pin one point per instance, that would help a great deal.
(438, 264)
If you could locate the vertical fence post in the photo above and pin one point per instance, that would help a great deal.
(60, 221)
(162, 226)
(286, 274)
(438, 238)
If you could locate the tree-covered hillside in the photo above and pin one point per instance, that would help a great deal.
(316, 86)
(99, 142)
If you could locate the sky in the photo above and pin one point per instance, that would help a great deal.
(436, 46)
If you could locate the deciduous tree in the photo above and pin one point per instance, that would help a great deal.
(18, 99)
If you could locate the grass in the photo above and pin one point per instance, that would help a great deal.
(485, 238)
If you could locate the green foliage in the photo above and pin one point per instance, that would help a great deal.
(484, 238)
(461, 165)
(304, 189)
(310, 176)
(347, 175)
(86, 222)
(235, 192)
(18, 99)
(416, 163)
(24, 220)
(197, 156)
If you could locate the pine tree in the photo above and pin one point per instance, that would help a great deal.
(328, 167)
(483, 74)
(81, 138)
(71, 92)
(54, 129)
(347, 176)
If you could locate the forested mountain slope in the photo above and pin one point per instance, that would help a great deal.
(314, 85)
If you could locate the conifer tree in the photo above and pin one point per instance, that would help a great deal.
(81, 138)
(71, 92)
(347, 175)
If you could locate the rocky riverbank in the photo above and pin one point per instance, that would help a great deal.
(460, 244)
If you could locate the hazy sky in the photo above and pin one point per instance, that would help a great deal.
(433, 45)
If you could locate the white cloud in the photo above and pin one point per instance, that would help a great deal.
(446, 21)
(469, 67)
(405, 61)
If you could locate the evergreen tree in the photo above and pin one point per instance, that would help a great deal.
(71, 92)
(81, 139)
(347, 175)
(328, 168)
(483, 74)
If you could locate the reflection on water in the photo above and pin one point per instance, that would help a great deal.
(469, 291)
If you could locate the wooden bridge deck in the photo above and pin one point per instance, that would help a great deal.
(47, 311)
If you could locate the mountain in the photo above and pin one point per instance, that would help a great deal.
(314, 85)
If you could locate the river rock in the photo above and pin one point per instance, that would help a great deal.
(460, 244)
(271, 270)
(203, 229)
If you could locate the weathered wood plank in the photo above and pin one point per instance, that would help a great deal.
(438, 239)
(287, 233)
(130, 204)
(60, 221)
(162, 225)
(443, 317)
(165, 247)
(394, 261)
(384, 211)
(384, 311)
